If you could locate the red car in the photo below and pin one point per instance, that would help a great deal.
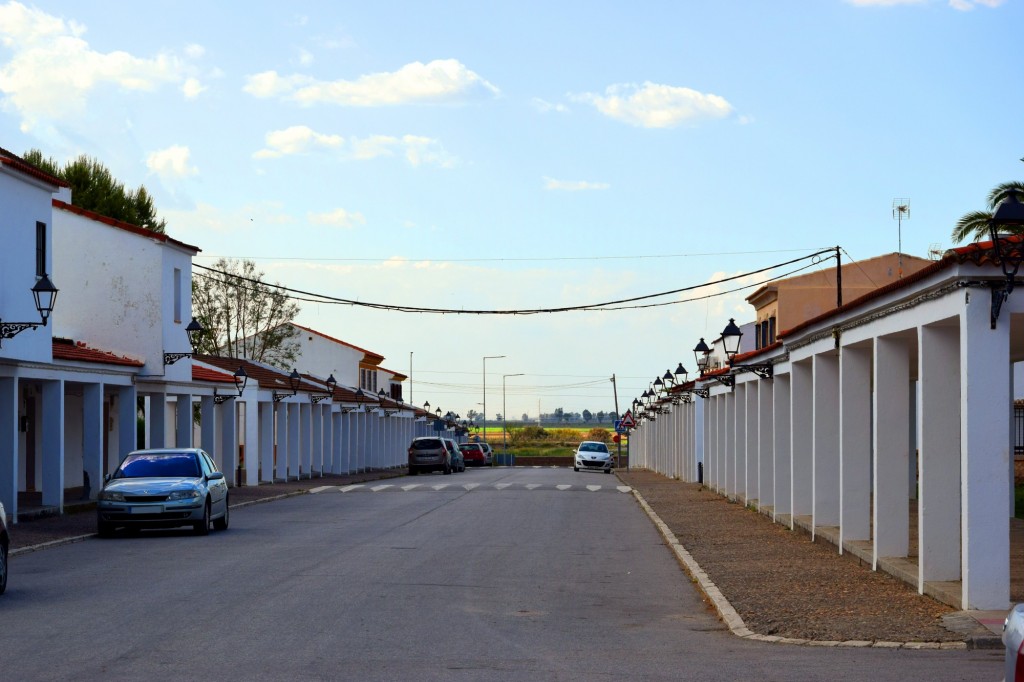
(476, 454)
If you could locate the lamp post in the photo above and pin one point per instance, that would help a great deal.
(1009, 213)
(45, 295)
(504, 414)
(486, 358)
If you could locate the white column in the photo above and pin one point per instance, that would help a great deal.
(826, 440)
(266, 410)
(985, 420)
(183, 421)
(782, 428)
(9, 450)
(281, 439)
(52, 448)
(208, 425)
(892, 423)
(317, 446)
(305, 440)
(765, 444)
(802, 437)
(294, 440)
(253, 446)
(854, 444)
(127, 422)
(92, 436)
(938, 518)
(337, 441)
(227, 457)
(751, 449)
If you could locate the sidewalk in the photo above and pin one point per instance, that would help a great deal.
(770, 583)
(765, 581)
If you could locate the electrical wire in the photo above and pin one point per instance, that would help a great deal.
(619, 304)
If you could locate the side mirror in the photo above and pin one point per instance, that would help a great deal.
(106, 477)
(215, 476)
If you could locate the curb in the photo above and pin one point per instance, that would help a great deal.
(735, 623)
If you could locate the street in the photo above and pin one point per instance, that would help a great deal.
(492, 574)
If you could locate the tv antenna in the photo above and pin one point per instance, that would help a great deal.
(900, 212)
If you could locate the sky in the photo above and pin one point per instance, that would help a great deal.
(524, 155)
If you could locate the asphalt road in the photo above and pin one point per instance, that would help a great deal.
(488, 575)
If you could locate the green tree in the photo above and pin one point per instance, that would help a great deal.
(587, 416)
(974, 225)
(94, 188)
(244, 316)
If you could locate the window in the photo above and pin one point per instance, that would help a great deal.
(771, 329)
(177, 294)
(40, 249)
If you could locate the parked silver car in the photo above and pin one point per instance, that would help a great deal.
(429, 453)
(5, 546)
(164, 489)
(592, 455)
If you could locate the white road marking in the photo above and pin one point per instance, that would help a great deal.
(378, 488)
(531, 486)
(593, 488)
(409, 487)
(321, 489)
(440, 486)
(624, 489)
(502, 486)
(352, 487)
(470, 486)
(563, 487)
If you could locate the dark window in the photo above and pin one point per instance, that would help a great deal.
(771, 329)
(40, 249)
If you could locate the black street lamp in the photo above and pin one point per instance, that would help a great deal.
(293, 383)
(1009, 213)
(45, 295)
(241, 379)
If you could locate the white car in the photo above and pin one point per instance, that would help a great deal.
(592, 455)
(1013, 639)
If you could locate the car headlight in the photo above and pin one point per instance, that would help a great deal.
(111, 496)
(183, 495)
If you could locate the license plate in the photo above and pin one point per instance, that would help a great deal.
(147, 510)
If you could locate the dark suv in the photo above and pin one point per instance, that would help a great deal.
(428, 453)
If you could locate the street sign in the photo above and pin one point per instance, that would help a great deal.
(619, 428)
(628, 421)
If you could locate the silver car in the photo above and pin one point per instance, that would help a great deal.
(592, 455)
(5, 546)
(164, 489)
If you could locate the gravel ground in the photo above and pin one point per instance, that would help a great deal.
(783, 584)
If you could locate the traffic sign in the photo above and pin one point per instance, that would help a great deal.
(619, 428)
(627, 420)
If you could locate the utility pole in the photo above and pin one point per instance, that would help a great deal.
(615, 391)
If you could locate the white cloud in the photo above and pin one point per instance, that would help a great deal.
(339, 217)
(191, 88)
(967, 5)
(416, 149)
(544, 106)
(573, 185)
(296, 140)
(171, 163)
(305, 57)
(53, 71)
(442, 80)
(652, 105)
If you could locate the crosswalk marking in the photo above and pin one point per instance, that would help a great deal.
(466, 486)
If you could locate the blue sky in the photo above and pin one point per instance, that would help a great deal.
(513, 155)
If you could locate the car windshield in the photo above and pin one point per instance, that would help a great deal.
(176, 465)
(469, 447)
(426, 444)
(593, 447)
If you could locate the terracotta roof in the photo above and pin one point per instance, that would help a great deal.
(741, 357)
(21, 165)
(263, 375)
(207, 374)
(395, 376)
(67, 349)
(121, 225)
(343, 343)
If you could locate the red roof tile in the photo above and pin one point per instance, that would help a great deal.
(207, 374)
(66, 349)
(21, 165)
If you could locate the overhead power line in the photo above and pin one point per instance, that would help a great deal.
(619, 304)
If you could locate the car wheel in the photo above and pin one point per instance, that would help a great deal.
(575, 468)
(222, 522)
(607, 471)
(413, 471)
(104, 529)
(447, 468)
(3, 568)
(203, 527)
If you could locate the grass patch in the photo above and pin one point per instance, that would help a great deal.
(542, 451)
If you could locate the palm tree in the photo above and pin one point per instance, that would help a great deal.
(974, 225)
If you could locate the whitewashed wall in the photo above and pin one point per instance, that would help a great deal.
(324, 357)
